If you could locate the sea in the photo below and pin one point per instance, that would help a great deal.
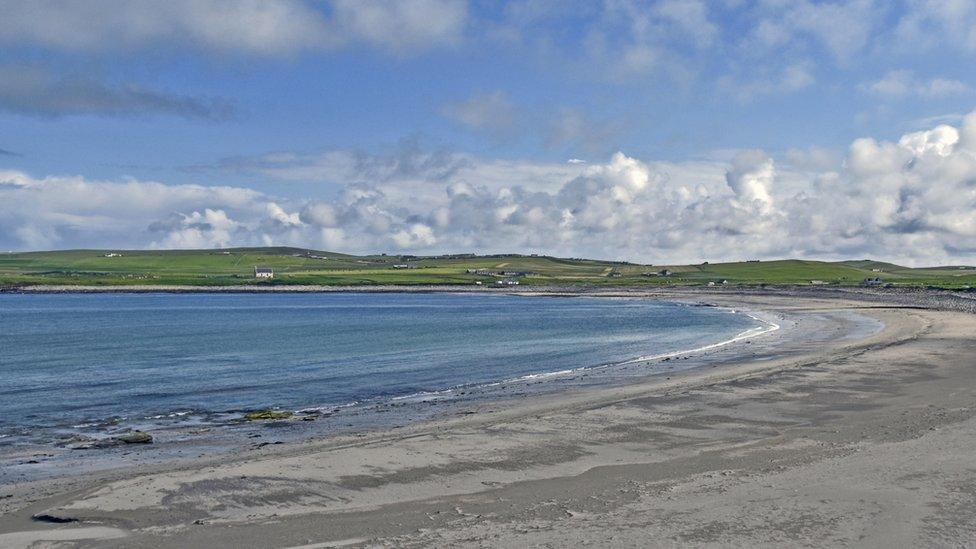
(89, 364)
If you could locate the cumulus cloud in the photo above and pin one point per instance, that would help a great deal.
(206, 229)
(903, 83)
(252, 27)
(34, 91)
(37, 213)
(813, 159)
(912, 200)
(751, 177)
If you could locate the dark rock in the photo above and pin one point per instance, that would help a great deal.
(53, 519)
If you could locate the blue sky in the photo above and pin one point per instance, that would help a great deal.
(322, 103)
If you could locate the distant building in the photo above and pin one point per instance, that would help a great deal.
(263, 272)
(404, 266)
(112, 254)
(664, 272)
(508, 282)
(873, 281)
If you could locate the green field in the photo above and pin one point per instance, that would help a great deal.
(301, 266)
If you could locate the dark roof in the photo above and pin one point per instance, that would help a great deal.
(263, 270)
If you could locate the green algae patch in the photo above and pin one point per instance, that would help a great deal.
(136, 437)
(259, 415)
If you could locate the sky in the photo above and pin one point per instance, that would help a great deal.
(656, 131)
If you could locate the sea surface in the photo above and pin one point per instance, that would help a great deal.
(86, 363)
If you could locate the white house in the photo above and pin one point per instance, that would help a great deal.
(263, 272)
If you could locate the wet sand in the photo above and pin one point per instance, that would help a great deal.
(864, 442)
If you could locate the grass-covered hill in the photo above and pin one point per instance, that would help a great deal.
(301, 266)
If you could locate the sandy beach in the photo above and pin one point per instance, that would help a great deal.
(843, 440)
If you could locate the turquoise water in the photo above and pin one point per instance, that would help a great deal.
(71, 362)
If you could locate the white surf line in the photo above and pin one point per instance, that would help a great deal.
(768, 327)
(750, 333)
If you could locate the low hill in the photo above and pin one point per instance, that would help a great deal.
(235, 266)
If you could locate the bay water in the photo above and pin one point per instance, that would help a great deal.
(79, 362)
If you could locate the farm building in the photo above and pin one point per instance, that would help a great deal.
(263, 272)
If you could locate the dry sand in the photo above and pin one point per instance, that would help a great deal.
(866, 443)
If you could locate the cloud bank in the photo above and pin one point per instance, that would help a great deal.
(248, 27)
(912, 200)
(36, 92)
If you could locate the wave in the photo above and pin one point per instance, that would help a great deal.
(767, 326)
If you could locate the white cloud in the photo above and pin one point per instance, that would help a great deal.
(929, 24)
(903, 83)
(253, 27)
(206, 229)
(751, 178)
(912, 200)
(402, 26)
(813, 159)
(843, 29)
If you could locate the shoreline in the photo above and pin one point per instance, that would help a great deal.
(361, 482)
(226, 432)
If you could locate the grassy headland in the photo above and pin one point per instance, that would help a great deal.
(293, 266)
